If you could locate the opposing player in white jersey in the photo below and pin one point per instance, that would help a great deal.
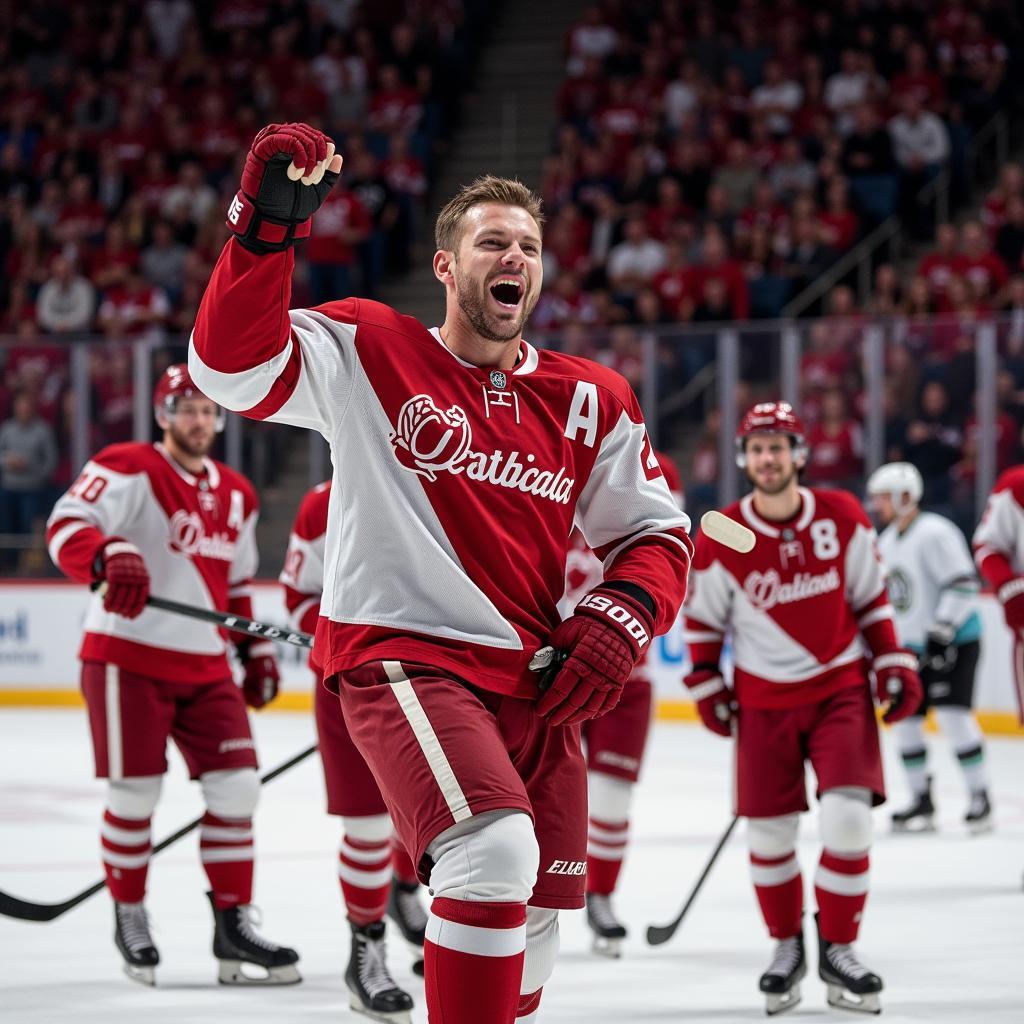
(999, 554)
(463, 456)
(811, 625)
(933, 586)
(166, 519)
(615, 746)
(376, 875)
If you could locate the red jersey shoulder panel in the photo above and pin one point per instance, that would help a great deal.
(311, 518)
(603, 377)
(127, 458)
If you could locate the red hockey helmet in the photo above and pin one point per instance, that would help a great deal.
(174, 383)
(771, 418)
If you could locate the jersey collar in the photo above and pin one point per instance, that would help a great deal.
(526, 363)
(762, 526)
(212, 473)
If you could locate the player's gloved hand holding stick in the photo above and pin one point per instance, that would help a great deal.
(262, 677)
(715, 702)
(1011, 597)
(121, 569)
(601, 641)
(897, 684)
(288, 173)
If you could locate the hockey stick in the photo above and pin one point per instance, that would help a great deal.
(659, 933)
(237, 623)
(23, 910)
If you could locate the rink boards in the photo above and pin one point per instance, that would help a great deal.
(40, 629)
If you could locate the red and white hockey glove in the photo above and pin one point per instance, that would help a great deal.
(897, 684)
(601, 641)
(125, 576)
(1011, 597)
(288, 173)
(715, 703)
(262, 676)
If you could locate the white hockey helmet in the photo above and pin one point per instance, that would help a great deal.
(901, 481)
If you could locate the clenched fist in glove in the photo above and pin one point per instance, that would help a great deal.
(288, 173)
(125, 576)
(897, 684)
(262, 677)
(602, 641)
(715, 703)
(1011, 597)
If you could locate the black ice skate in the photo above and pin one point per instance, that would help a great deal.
(135, 944)
(781, 982)
(372, 990)
(608, 931)
(850, 985)
(405, 909)
(236, 942)
(919, 816)
(979, 814)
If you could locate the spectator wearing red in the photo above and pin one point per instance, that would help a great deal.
(919, 79)
(565, 302)
(394, 106)
(716, 263)
(668, 210)
(581, 96)
(134, 310)
(619, 119)
(132, 138)
(110, 264)
(839, 224)
(1010, 186)
(674, 284)
(764, 212)
(942, 263)
(836, 445)
(83, 218)
(979, 264)
(339, 226)
(764, 147)
(567, 242)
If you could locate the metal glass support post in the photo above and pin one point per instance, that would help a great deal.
(728, 356)
(142, 392)
(985, 355)
(81, 415)
(874, 379)
(649, 391)
(233, 441)
(789, 365)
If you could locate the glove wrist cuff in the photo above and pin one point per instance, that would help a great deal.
(706, 688)
(1011, 589)
(895, 659)
(631, 619)
(260, 233)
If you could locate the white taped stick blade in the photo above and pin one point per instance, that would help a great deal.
(727, 531)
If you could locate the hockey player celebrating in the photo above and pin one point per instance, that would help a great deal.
(615, 748)
(999, 555)
(164, 518)
(375, 872)
(812, 626)
(933, 586)
(463, 456)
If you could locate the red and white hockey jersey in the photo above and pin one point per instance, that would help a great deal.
(456, 487)
(796, 604)
(197, 535)
(303, 572)
(999, 539)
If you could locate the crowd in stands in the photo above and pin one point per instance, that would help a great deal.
(123, 127)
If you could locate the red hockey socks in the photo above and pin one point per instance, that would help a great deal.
(126, 845)
(401, 864)
(473, 961)
(780, 891)
(529, 1007)
(364, 871)
(841, 888)
(606, 847)
(225, 848)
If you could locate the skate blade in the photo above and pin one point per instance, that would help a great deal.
(356, 1005)
(143, 975)
(843, 1000)
(777, 1003)
(916, 826)
(608, 948)
(232, 972)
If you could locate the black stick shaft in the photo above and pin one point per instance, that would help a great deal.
(25, 910)
(657, 934)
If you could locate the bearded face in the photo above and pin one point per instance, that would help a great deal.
(193, 426)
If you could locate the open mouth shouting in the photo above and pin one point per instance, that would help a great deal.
(508, 292)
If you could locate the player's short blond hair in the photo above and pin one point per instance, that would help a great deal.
(486, 189)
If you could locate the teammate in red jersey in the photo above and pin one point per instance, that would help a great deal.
(812, 626)
(463, 457)
(166, 519)
(376, 875)
(999, 555)
(615, 748)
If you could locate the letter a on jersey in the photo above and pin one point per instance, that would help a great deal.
(583, 413)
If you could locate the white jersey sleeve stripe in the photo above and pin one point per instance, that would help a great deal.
(243, 390)
(875, 615)
(63, 535)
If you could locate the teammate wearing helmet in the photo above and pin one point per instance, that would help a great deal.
(166, 519)
(812, 631)
(934, 587)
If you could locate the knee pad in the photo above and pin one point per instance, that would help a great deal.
(773, 837)
(232, 793)
(610, 797)
(846, 820)
(959, 727)
(489, 858)
(368, 828)
(541, 948)
(134, 799)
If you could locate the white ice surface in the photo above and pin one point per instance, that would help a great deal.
(944, 924)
